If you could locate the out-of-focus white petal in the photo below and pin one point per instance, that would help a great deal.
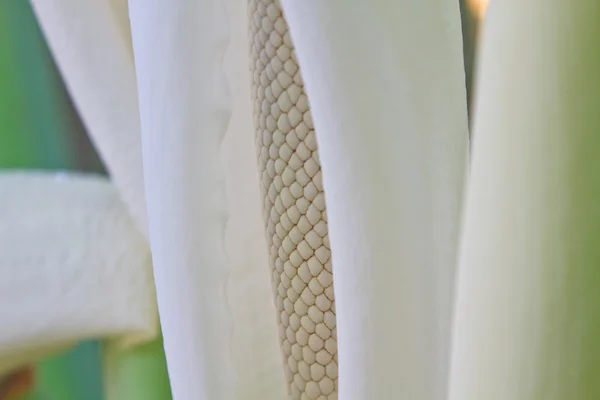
(386, 86)
(91, 43)
(528, 306)
(73, 266)
(184, 107)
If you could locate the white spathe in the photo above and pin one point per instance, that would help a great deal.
(185, 110)
(73, 264)
(387, 91)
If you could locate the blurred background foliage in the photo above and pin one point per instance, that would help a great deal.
(40, 128)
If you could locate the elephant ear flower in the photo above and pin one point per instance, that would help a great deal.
(162, 88)
(91, 44)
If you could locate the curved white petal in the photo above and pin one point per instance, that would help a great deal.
(387, 90)
(185, 111)
(91, 43)
(73, 266)
(527, 310)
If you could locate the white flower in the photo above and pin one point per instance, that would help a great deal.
(386, 86)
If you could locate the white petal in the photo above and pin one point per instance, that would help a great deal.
(528, 315)
(386, 84)
(184, 108)
(91, 43)
(73, 266)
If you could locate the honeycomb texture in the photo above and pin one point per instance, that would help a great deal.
(294, 208)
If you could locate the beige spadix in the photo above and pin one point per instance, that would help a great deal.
(528, 312)
(73, 264)
(293, 208)
(385, 81)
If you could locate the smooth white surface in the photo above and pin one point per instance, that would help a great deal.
(91, 44)
(73, 266)
(527, 316)
(185, 109)
(386, 86)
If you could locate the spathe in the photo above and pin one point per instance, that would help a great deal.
(386, 86)
(91, 44)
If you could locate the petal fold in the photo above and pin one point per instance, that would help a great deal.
(73, 264)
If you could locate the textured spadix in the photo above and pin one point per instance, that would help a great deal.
(73, 266)
(385, 81)
(294, 208)
(528, 305)
(91, 44)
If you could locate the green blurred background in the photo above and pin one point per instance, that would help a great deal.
(40, 128)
